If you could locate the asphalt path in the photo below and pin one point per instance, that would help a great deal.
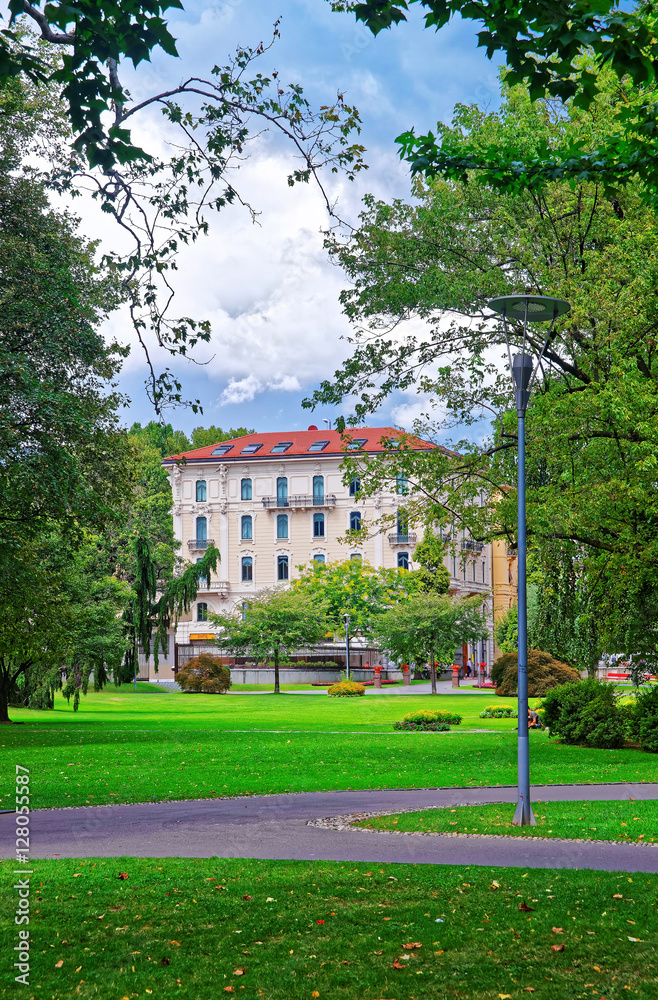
(276, 826)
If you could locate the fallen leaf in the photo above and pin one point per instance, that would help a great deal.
(58, 965)
(100, 916)
(633, 939)
(379, 953)
(617, 895)
(495, 885)
(78, 968)
(557, 930)
(524, 908)
(596, 968)
(247, 897)
(270, 900)
(345, 962)
(165, 961)
(529, 989)
(177, 943)
(412, 944)
(239, 972)
(315, 993)
(396, 965)
(77, 875)
(246, 953)
(229, 989)
(505, 996)
(123, 876)
(557, 947)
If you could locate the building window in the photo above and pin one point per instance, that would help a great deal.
(355, 520)
(318, 446)
(483, 579)
(401, 484)
(282, 492)
(202, 612)
(402, 523)
(318, 490)
(403, 560)
(319, 558)
(454, 566)
(474, 570)
(201, 490)
(201, 529)
(246, 527)
(245, 489)
(251, 449)
(222, 450)
(318, 525)
(282, 526)
(356, 557)
(280, 448)
(356, 443)
(282, 567)
(355, 486)
(247, 568)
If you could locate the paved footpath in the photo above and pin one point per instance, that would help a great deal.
(276, 826)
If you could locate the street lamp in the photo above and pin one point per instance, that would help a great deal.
(529, 309)
(346, 619)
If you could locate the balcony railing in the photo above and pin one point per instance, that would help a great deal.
(219, 587)
(469, 545)
(300, 500)
(402, 538)
(200, 543)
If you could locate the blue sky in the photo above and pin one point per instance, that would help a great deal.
(268, 290)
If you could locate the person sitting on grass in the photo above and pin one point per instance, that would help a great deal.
(534, 722)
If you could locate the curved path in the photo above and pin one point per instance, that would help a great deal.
(276, 826)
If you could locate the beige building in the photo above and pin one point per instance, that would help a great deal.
(273, 501)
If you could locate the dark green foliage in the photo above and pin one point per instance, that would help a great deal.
(543, 673)
(498, 712)
(205, 674)
(585, 713)
(645, 719)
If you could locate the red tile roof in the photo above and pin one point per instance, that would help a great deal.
(300, 442)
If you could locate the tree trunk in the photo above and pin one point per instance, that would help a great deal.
(433, 671)
(4, 699)
(276, 672)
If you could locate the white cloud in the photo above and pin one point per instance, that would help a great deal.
(241, 390)
(284, 383)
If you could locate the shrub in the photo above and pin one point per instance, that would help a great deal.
(645, 719)
(346, 689)
(427, 715)
(498, 712)
(544, 673)
(205, 673)
(586, 713)
(423, 727)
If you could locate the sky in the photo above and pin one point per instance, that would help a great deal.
(268, 289)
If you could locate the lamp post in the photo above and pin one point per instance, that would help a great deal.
(346, 619)
(529, 309)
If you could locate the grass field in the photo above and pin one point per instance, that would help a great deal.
(125, 747)
(271, 930)
(629, 821)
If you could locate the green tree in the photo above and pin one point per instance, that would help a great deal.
(352, 587)
(556, 52)
(272, 624)
(592, 439)
(204, 436)
(429, 626)
(432, 575)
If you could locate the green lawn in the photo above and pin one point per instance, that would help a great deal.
(630, 821)
(125, 747)
(271, 930)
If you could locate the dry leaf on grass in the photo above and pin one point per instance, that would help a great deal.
(229, 989)
(557, 930)
(58, 965)
(123, 876)
(557, 947)
(177, 943)
(524, 908)
(379, 953)
(239, 972)
(412, 944)
(247, 897)
(617, 895)
(397, 965)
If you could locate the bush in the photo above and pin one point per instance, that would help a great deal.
(206, 674)
(498, 712)
(346, 689)
(427, 715)
(586, 713)
(645, 719)
(423, 727)
(544, 673)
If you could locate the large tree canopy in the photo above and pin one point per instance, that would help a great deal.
(593, 425)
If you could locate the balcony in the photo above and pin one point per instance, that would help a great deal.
(219, 587)
(200, 543)
(469, 545)
(300, 501)
(402, 538)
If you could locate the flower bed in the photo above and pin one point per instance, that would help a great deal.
(346, 689)
(498, 712)
(426, 721)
